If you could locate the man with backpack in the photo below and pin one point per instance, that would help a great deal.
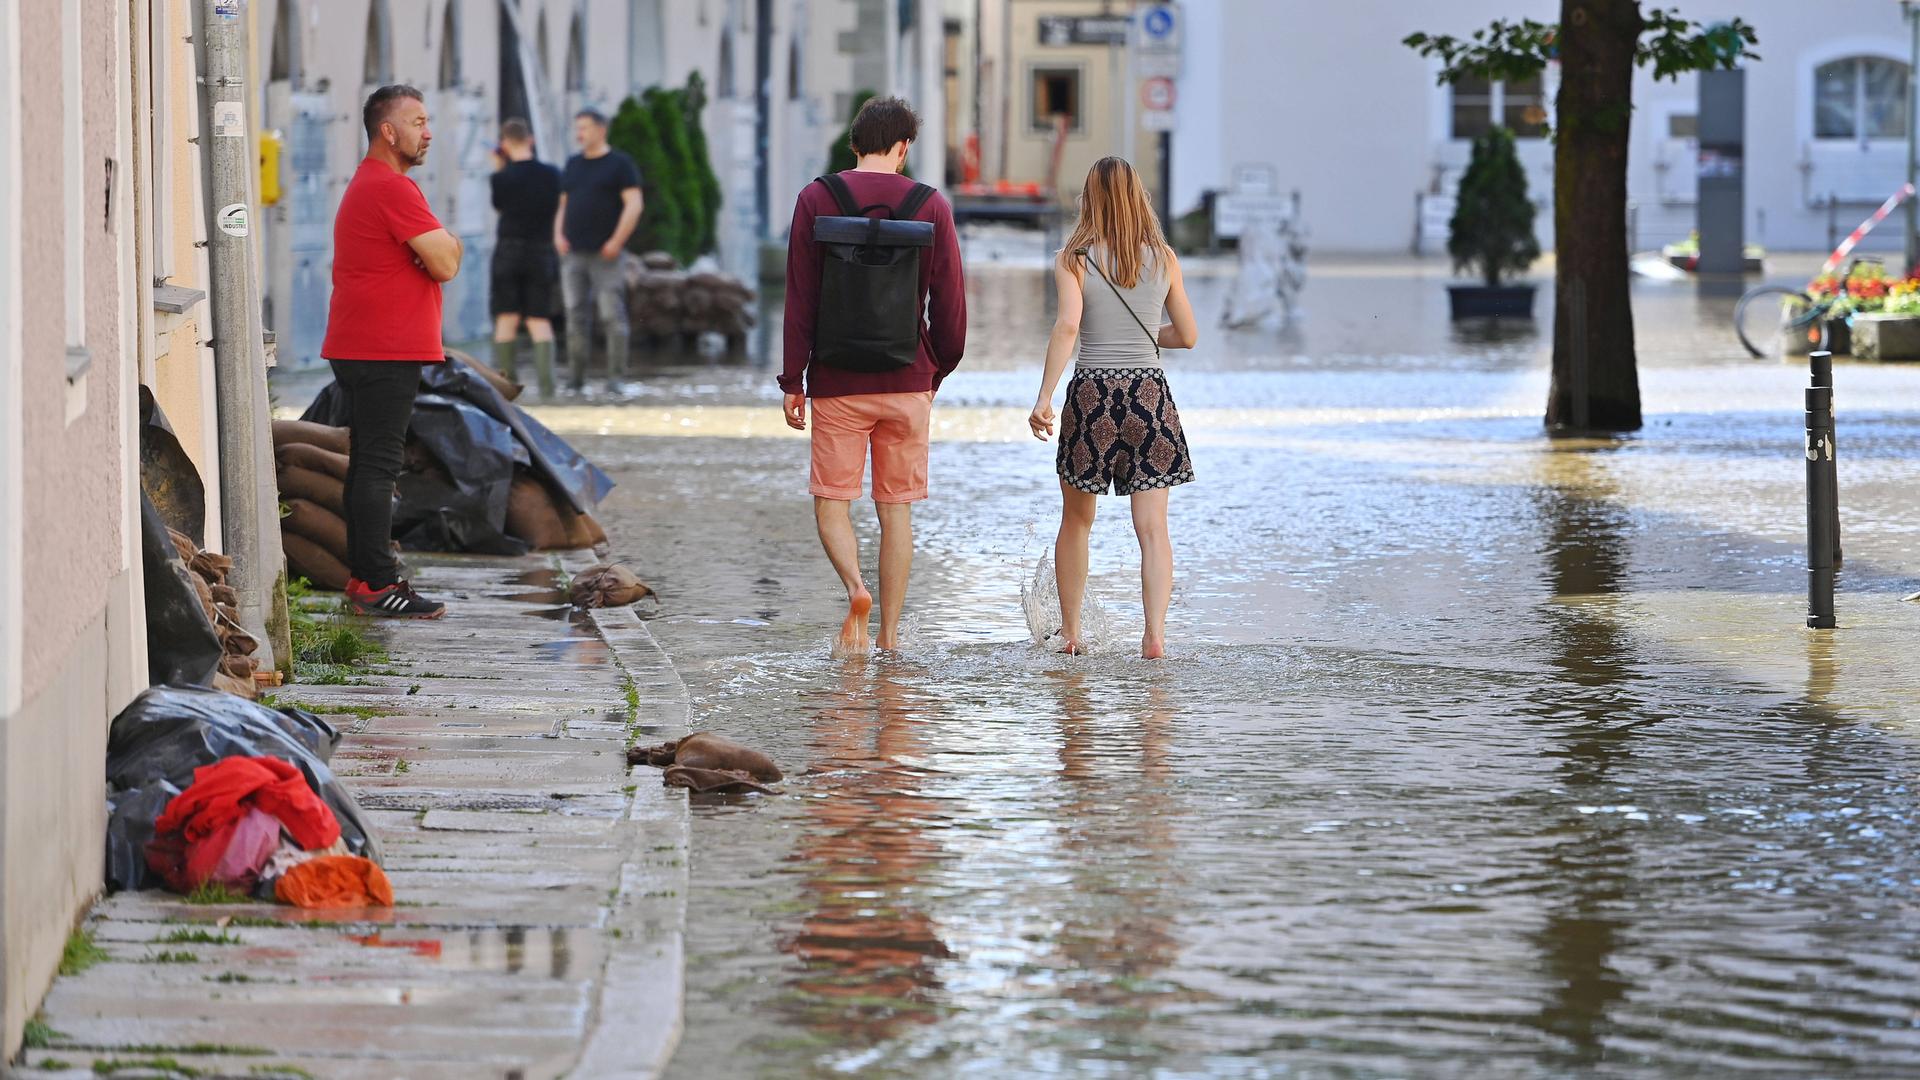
(876, 317)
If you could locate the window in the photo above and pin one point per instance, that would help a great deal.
(285, 58)
(1520, 106)
(576, 58)
(450, 46)
(1056, 93)
(376, 64)
(724, 83)
(1683, 126)
(1860, 97)
(793, 70)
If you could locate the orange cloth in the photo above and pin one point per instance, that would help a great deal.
(206, 814)
(895, 426)
(335, 881)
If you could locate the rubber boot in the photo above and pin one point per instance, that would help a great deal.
(505, 355)
(543, 368)
(579, 352)
(619, 359)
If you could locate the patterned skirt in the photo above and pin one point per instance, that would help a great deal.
(1119, 430)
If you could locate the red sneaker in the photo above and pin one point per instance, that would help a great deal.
(396, 601)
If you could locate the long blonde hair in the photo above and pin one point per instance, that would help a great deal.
(1115, 213)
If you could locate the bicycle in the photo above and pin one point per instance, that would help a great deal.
(1793, 318)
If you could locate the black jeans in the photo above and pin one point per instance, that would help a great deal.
(379, 400)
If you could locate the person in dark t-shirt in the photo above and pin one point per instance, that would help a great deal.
(526, 268)
(599, 208)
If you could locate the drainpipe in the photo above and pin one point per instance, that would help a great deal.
(1912, 15)
(239, 360)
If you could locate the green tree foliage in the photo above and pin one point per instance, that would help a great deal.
(1492, 228)
(840, 154)
(661, 131)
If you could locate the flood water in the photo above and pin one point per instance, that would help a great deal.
(1477, 754)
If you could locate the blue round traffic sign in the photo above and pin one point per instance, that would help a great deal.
(1158, 22)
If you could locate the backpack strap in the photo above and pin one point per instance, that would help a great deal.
(911, 205)
(842, 194)
(1151, 336)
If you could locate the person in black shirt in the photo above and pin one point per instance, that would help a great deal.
(526, 192)
(599, 208)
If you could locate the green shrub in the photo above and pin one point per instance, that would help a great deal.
(840, 156)
(1492, 228)
(660, 130)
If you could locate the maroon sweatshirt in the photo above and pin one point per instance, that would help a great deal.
(943, 295)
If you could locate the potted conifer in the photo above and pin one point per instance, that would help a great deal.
(1491, 233)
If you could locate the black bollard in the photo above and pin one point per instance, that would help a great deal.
(1821, 501)
(1821, 361)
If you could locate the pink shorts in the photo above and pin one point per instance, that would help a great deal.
(893, 425)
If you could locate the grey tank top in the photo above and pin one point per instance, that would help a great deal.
(1109, 337)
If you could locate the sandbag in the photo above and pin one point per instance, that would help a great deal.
(304, 431)
(169, 731)
(311, 561)
(318, 524)
(583, 530)
(309, 456)
(532, 516)
(607, 585)
(299, 483)
(507, 387)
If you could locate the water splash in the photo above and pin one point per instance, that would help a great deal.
(1040, 598)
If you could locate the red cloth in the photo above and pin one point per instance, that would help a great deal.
(385, 307)
(204, 816)
(943, 294)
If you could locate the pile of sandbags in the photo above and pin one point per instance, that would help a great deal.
(207, 572)
(542, 520)
(664, 301)
(310, 461)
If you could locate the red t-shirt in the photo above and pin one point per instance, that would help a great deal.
(385, 306)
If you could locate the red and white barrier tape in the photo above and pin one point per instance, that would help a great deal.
(1853, 238)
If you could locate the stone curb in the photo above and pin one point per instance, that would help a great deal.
(638, 1016)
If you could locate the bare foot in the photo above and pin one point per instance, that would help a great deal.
(853, 633)
(1153, 648)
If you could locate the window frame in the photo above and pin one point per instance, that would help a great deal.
(1496, 104)
(1858, 137)
(1044, 125)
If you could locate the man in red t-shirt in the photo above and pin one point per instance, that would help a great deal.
(882, 415)
(390, 255)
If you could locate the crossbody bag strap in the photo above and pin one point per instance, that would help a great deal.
(1151, 337)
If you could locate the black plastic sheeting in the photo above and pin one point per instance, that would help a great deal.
(478, 437)
(182, 646)
(157, 742)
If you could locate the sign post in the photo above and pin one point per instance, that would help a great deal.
(1155, 44)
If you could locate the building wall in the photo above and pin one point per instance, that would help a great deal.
(66, 526)
(1013, 147)
(1343, 112)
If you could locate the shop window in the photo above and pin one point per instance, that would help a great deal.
(1056, 93)
(1860, 97)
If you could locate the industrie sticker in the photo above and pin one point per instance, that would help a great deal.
(232, 219)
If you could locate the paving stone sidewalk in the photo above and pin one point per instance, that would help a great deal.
(541, 884)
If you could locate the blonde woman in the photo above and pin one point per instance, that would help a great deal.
(1122, 300)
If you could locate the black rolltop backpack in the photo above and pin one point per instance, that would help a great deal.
(870, 318)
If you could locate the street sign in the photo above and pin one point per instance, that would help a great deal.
(1062, 30)
(1157, 120)
(1160, 28)
(1232, 213)
(1156, 94)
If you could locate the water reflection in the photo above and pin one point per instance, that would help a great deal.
(867, 944)
(1116, 932)
(1596, 716)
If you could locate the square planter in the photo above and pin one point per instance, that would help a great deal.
(1886, 337)
(1497, 302)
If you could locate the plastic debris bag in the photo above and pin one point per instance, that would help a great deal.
(167, 732)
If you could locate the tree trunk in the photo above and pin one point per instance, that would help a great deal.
(1595, 384)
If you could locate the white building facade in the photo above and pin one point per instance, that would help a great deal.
(1328, 98)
